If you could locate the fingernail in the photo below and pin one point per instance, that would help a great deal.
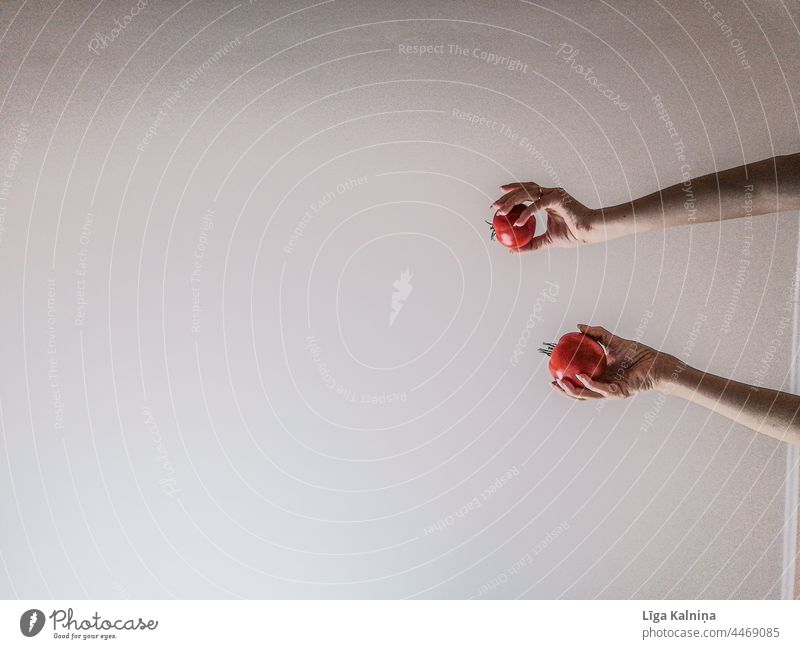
(582, 325)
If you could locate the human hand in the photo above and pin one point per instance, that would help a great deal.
(569, 223)
(632, 368)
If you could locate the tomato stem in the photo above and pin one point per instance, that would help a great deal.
(491, 228)
(547, 348)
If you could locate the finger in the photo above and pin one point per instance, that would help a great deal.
(500, 202)
(511, 186)
(549, 198)
(526, 215)
(560, 391)
(568, 389)
(608, 390)
(600, 334)
(506, 194)
(514, 198)
(578, 393)
(508, 201)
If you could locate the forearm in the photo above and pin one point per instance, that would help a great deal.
(770, 412)
(764, 187)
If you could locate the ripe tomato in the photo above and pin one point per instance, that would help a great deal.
(504, 230)
(575, 354)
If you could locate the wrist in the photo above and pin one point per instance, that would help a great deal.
(670, 374)
(614, 222)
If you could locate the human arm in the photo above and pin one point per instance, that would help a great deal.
(634, 367)
(763, 187)
(773, 413)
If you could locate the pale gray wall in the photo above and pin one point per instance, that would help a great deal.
(266, 482)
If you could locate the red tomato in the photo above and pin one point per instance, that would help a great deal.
(576, 354)
(504, 230)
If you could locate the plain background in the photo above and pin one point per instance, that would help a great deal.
(261, 428)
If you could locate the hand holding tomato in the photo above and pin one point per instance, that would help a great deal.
(569, 223)
(511, 235)
(574, 354)
(631, 368)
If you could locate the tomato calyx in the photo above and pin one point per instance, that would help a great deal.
(547, 348)
(491, 230)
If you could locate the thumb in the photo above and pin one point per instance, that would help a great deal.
(537, 243)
